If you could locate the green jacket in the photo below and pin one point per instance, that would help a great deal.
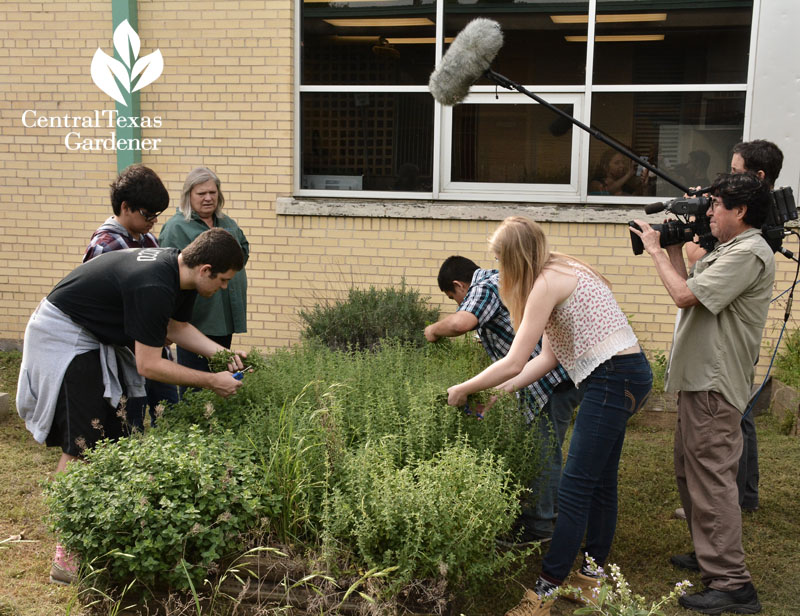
(225, 312)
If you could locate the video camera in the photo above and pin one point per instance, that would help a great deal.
(692, 220)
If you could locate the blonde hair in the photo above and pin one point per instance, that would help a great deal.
(522, 251)
(196, 176)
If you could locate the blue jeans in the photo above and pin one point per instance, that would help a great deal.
(539, 516)
(587, 495)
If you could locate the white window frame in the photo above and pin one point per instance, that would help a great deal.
(499, 191)
(580, 96)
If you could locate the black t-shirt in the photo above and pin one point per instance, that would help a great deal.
(126, 295)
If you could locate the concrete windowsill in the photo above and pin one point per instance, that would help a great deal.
(457, 210)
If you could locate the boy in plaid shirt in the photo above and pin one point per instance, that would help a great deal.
(136, 203)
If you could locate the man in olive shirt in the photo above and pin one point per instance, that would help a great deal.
(725, 302)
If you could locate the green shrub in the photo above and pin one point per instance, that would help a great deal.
(787, 364)
(368, 316)
(348, 399)
(159, 499)
(341, 443)
(434, 519)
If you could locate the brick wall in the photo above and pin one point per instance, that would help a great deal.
(225, 99)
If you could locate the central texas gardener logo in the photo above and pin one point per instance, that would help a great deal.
(120, 79)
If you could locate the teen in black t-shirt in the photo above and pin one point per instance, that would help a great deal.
(126, 295)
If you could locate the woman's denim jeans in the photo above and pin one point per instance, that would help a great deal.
(587, 495)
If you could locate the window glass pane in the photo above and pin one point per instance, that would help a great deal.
(368, 42)
(367, 141)
(535, 50)
(511, 143)
(638, 42)
(689, 135)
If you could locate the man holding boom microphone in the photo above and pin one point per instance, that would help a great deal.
(725, 301)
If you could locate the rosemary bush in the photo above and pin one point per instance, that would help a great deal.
(368, 316)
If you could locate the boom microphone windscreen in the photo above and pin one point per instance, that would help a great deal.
(470, 54)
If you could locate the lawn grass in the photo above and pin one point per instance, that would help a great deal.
(25, 566)
(646, 533)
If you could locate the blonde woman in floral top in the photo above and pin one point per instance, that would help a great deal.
(570, 306)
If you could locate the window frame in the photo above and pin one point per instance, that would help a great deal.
(444, 189)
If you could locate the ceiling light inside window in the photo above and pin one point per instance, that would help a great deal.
(392, 22)
(609, 19)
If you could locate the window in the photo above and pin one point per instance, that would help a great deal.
(667, 80)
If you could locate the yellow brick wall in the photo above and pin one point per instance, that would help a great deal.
(226, 101)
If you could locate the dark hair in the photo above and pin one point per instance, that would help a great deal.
(141, 189)
(761, 155)
(455, 268)
(744, 189)
(217, 248)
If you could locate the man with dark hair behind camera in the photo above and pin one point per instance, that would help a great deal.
(725, 301)
(765, 160)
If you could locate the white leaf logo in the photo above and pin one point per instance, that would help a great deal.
(150, 67)
(125, 41)
(104, 70)
(109, 73)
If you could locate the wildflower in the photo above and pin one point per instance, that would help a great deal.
(121, 409)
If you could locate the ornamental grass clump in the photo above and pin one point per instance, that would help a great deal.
(180, 497)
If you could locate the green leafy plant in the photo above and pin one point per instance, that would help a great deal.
(366, 317)
(436, 518)
(658, 364)
(788, 423)
(178, 497)
(253, 361)
(787, 364)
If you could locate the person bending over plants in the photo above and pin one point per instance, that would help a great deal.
(548, 402)
(77, 359)
(570, 306)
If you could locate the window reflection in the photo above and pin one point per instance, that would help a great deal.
(534, 49)
(698, 45)
(688, 135)
(367, 141)
(506, 143)
(368, 42)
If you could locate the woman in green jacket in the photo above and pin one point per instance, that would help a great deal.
(225, 313)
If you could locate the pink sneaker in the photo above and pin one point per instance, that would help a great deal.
(65, 567)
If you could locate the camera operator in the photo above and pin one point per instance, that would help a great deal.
(725, 302)
(764, 159)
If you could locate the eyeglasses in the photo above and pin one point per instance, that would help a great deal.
(148, 216)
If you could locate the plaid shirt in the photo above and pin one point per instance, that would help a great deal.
(113, 236)
(496, 335)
